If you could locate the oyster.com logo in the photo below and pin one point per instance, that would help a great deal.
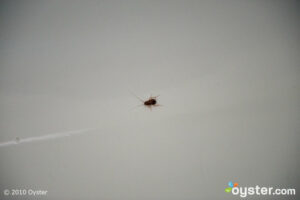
(257, 190)
(231, 185)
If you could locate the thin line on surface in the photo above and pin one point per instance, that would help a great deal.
(45, 137)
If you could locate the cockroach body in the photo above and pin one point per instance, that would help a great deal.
(150, 102)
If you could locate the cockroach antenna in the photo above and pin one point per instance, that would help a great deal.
(137, 97)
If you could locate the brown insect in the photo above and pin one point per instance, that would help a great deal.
(151, 102)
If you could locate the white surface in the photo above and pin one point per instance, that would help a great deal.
(228, 76)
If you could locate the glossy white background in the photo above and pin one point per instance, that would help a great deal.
(227, 72)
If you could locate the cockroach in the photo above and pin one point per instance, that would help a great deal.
(151, 102)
